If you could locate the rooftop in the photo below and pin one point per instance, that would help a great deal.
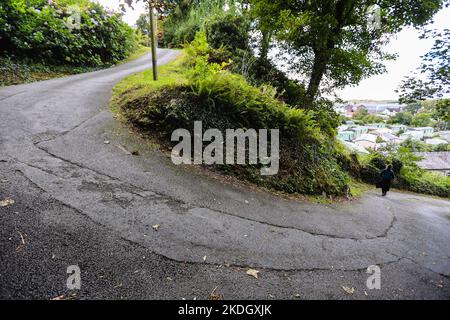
(367, 137)
(434, 160)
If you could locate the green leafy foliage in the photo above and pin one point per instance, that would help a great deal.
(422, 119)
(338, 41)
(188, 18)
(401, 118)
(230, 30)
(47, 31)
(408, 175)
(419, 146)
(364, 117)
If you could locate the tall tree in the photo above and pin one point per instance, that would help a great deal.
(339, 41)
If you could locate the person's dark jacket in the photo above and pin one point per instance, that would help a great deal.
(386, 178)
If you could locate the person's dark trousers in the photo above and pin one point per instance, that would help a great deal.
(385, 191)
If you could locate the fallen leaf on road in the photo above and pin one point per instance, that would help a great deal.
(106, 142)
(204, 258)
(6, 202)
(22, 241)
(156, 227)
(58, 298)
(349, 290)
(297, 295)
(215, 296)
(124, 150)
(21, 237)
(252, 272)
(4, 180)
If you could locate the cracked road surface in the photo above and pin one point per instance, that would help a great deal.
(81, 201)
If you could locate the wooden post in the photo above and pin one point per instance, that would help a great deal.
(153, 40)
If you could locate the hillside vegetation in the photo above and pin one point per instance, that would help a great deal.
(218, 80)
(199, 87)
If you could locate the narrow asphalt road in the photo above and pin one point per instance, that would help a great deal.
(81, 201)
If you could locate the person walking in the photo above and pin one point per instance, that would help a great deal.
(387, 176)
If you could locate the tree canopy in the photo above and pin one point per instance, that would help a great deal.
(338, 42)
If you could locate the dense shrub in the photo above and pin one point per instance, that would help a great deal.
(41, 29)
(229, 30)
(263, 71)
(181, 27)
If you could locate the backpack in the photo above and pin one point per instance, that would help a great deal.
(387, 175)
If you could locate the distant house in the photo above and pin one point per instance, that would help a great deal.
(435, 161)
(368, 141)
(360, 130)
(436, 141)
(413, 135)
(387, 109)
(444, 135)
(381, 131)
(396, 128)
(346, 135)
(386, 135)
(375, 126)
(349, 111)
(388, 113)
(396, 107)
(355, 148)
(390, 138)
(427, 131)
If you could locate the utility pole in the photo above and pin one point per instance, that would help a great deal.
(153, 31)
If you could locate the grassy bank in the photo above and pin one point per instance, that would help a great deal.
(140, 85)
(15, 71)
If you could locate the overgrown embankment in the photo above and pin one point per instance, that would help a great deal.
(41, 39)
(199, 86)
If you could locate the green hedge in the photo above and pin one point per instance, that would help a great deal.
(39, 29)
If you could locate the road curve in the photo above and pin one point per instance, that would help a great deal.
(55, 164)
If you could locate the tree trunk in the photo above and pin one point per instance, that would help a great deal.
(265, 44)
(318, 70)
(322, 54)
